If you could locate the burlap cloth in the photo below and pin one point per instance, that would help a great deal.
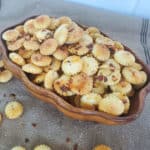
(41, 122)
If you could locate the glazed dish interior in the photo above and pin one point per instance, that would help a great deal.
(80, 64)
